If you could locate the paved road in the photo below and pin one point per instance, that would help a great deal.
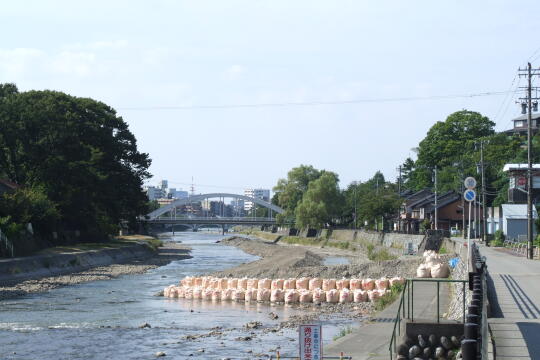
(514, 291)
(371, 340)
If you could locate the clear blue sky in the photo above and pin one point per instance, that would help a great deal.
(146, 54)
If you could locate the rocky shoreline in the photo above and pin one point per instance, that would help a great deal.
(20, 286)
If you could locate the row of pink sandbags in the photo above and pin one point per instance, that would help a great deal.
(289, 296)
(208, 282)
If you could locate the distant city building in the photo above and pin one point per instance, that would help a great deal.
(237, 207)
(172, 193)
(164, 185)
(263, 194)
(153, 192)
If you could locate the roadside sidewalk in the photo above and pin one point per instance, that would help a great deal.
(514, 296)
(372, 338)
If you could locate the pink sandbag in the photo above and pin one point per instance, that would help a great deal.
(382, 283)
(197, 293)
(332, 296)
(305, 296)
(368, 284)
(263, 295)
(197, 281)
(222, 284)
(277, 284)
(319, 296)
(360, 296)
(227, 294)
(289, 284)
(355, 284)
(423, 271)
(214, 283)
(277, 295)
(251, 295)
(216, 295)
(232, 283)
(342, 284)
(440, 270)
(345, 296)
(180, 292)
(291, 296)
(265, 284)
(374, 294)
(433, 260)
(302, 283)
(239, 295)
(207, 294)
(315, 283)
(205, 282)
(253, 284)
(188, 293)
(173, 292)
(187, 281)
(167, 290)
(242, 284)
(328, 284)
(397, 280)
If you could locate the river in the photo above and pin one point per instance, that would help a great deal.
(101, 319)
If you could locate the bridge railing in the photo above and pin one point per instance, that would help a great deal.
(243, 218)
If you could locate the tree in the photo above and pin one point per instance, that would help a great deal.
(320, 204)
(79, 152)
(289, 191)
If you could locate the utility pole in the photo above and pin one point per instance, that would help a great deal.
(484, 217)
(436, 214)
(529, 73)
(399, 195)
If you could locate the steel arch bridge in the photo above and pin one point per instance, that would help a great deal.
(156, 216)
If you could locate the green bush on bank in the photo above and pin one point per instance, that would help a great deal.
(389, 297)
(378, 255)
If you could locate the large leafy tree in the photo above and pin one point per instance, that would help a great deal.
(289, 191)
(321, 203)
(78, 151)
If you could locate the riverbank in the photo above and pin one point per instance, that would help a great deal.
(69, 266)
(284, 260)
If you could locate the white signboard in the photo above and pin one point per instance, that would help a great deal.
(310, 342)
(470, 182)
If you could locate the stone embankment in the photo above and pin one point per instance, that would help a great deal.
(20, 276)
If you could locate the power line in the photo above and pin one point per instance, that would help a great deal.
(313, 103)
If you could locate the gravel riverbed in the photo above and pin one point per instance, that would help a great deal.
(168, 252)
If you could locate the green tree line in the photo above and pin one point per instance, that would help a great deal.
(313, 198)
(75, 160)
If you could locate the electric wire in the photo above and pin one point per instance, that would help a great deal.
(313, 103)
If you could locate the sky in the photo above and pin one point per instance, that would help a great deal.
(346, 86)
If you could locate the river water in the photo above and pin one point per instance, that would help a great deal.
(101, 319)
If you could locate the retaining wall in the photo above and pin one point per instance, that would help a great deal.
(32, 267)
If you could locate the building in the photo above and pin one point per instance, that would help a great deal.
(237, 207)
(263, 194)
(7, 186)
(420, 207)
(163, 185)
(514, 221)
(517, 189)
(154, 193)
(520, 125)
(172, 193)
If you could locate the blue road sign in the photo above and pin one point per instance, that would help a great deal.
(469, 195)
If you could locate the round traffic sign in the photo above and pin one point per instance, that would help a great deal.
(469, 195)
(470, 182)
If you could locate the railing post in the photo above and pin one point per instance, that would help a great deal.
(438, 303)
(412, 300)
(464, 302)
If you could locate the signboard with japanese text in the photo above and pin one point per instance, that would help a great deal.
(311, 347)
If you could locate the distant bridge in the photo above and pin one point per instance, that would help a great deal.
(167, 214)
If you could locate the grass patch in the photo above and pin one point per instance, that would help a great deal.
(344, 245)
(15, 270)
(343, 331)
(115, 243)
(389, 298)
(302, 241)
(378, 255)
(443, 250)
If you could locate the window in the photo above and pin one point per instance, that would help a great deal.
(520, 123)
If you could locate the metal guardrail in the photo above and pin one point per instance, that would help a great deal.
(406, 307)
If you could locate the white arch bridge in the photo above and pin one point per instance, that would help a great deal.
(168, 214)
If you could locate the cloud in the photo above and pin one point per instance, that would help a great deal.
(74, 63)
(98, 45)
(234, 72)
(16, 62)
